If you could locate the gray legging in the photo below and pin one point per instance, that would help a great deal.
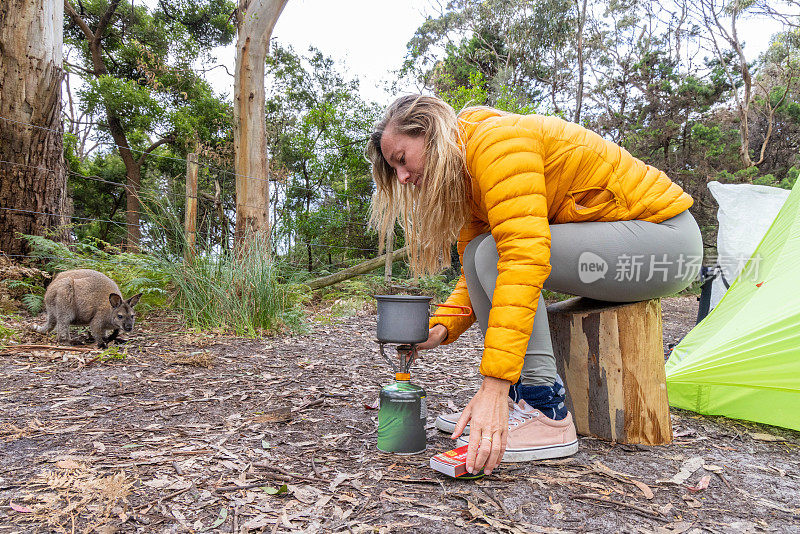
(618, 261)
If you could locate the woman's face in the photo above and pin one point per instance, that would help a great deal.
(405, 154)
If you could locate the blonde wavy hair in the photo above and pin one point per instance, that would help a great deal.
(431, 215)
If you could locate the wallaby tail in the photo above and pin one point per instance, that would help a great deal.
(47, 326)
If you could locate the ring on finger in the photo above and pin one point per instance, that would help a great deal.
(486, 437)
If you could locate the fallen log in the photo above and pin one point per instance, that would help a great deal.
(361, 268)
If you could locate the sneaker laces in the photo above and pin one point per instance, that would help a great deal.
(519, 414)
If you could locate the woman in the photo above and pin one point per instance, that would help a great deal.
(532, 202)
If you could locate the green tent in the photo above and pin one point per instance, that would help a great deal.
(743, 359)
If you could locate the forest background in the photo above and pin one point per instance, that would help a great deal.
(670, 82)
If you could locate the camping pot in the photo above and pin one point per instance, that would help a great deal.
(404, 318)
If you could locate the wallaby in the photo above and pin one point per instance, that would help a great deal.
(87, 297)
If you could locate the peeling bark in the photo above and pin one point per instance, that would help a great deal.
(33, 180)
(255, 21)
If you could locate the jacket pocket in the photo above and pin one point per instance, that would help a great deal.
(592, 203)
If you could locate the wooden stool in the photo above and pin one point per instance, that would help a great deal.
(611, 358)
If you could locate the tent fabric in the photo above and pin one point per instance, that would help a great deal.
(745, 213)
(743, 359)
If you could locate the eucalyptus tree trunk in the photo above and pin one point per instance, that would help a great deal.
(255, 20)
(33, 180)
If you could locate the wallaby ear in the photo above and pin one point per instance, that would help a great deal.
(115, 300)
(134, 300)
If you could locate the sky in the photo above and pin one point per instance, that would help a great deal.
(367, 37)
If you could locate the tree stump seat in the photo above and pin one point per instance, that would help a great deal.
(611, 358)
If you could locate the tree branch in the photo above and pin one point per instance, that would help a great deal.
(76, 18)
(168, 139)
(106, 18)
(771, 116)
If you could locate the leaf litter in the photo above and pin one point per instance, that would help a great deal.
(211, 433)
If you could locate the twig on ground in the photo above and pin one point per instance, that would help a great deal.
(644, 511)
(310, 404)
(314, 465)
(252, 485)
(413, 480)
(177, 468)
(9, 348)
(496, 501)
(288, 474)
(172, 495)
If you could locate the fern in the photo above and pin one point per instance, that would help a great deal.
(33, 300)
(133, 273)
(34, 303)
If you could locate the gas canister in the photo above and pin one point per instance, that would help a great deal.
(401, 418)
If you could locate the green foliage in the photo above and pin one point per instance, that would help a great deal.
(791, 178)
(148, 91)
(33, 299)
(317, 129)
(459, 96)
(135, 105)
(133, 273)
(437, 286)
(716, 144)
(520, 48)
(6, 332)
(99, 202)
(478, 93)
(150, 84)
(240, 291)
(349, 296)
(237, 291)
(234, 291)
(738, 177)
(768, 179)
(113, 354)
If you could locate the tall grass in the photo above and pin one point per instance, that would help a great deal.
(236, 291)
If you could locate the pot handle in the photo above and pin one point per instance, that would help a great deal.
(467, 309)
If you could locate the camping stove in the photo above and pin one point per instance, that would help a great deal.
(402, 414)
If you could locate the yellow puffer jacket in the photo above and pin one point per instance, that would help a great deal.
(528, 171)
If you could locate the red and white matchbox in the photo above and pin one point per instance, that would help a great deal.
(452, 463)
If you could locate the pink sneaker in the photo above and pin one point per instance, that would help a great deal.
(534, 436)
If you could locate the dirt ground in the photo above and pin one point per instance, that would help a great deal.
(207, 433)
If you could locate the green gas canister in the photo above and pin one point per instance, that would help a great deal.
(402, 413)
(401, 418)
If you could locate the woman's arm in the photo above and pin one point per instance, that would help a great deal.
(455, 326)
(508, 161)
(436, 336)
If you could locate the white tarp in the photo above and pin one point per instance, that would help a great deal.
(745, 214)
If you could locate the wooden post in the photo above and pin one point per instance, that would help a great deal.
(190, 222)
(387, 268)
(611, 358)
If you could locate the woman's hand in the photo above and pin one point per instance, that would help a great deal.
(487, 415)
(436, 336)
